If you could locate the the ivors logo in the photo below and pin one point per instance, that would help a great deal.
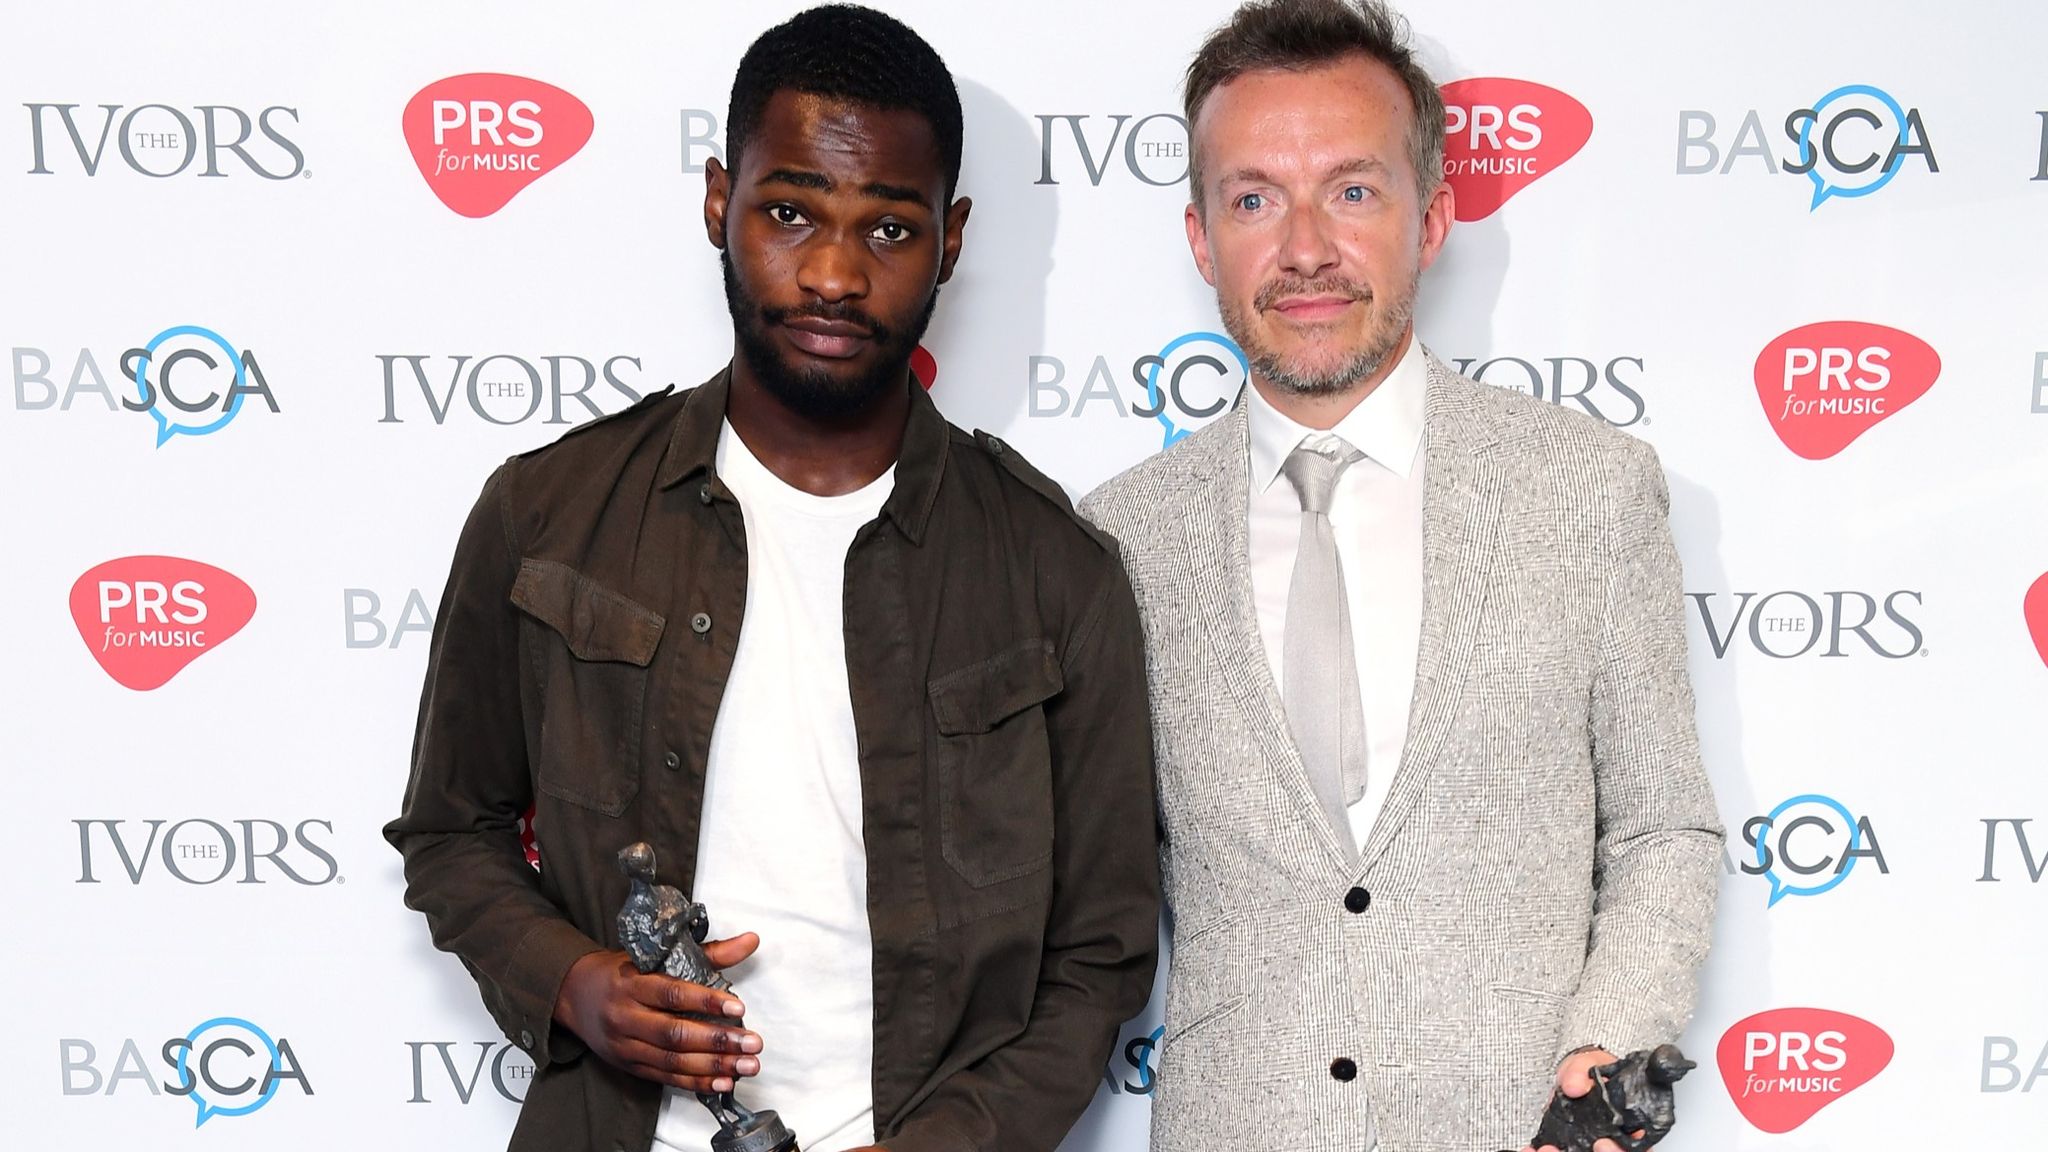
(145, 617)
(1784, 1065)
(482, 137)
(1501, 135)
(1823, 385)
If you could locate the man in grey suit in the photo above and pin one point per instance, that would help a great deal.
(1438, 837)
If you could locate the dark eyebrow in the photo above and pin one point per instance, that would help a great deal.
(819, 182)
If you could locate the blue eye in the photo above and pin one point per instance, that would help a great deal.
(1250, 201)
(1355, 194)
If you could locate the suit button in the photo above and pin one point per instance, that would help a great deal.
(526, 1040)
(672, 761)
(704, 494)
(1357, 900)
(1343, 1069)
(700, 623)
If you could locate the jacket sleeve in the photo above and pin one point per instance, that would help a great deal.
(1656, 853)
(469, 787)
(1102, 935)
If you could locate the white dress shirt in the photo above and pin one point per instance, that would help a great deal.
(1376, 514)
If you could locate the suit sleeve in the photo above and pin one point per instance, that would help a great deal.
(459, 828)
(1102, 936)
(1656, 855)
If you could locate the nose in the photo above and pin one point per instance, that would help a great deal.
(1307, 249)
(834, 268)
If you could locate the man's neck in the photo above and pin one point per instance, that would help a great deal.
(821, 457)
(1325, 411)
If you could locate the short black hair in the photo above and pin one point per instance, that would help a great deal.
(846, 52)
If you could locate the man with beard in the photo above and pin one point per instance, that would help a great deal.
(870, 690)
(1438, 835)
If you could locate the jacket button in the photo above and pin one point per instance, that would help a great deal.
(526, 1040)
(672, 761)
(1357, 900)
(995, 446)
(704, 494)
(1343, 1069)
(700, 623)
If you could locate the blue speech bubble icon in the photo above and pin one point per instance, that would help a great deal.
(207, 1109)
(1156, 397)
(1779, 888)
(1822, 190)
(165, 427)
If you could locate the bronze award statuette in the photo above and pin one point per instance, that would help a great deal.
(664, 931)
(1633, 1094)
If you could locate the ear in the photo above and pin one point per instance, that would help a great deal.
(956, 230)
(1436, 222)
(1198, 243)
(717, 197)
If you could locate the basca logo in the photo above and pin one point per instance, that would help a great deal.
(1807, 846)
(1784, 1065)
(2035, 609)
(2002, 1071)
(161, 141)
(1786, 624)
(201, 852)
(2018, 828)
(1850, 143)
(226, 1066)
(480, 138)
(1138, 1053)
(367, 624)
(1823, 385)
(510, 1070)
(1151, 149)
(1603, 391)
(213, 379)
(1502, 135)
(144, 618)
(1185, 385)
(505, 389)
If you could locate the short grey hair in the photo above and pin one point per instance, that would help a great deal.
(1299, 34)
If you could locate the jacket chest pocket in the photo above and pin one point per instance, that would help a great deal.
(994, 763)
(590, 648)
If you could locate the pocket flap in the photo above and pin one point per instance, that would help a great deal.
(980, 696)
(596, 622)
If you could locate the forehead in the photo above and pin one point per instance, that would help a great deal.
(1282, 119)
(845, 140)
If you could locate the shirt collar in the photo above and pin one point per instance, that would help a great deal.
(1386, 425)
(693, 451)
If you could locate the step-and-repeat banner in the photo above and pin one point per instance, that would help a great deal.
(267, 331)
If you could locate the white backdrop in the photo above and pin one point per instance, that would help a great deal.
(1860, 645)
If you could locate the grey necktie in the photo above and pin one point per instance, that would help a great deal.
(1317, 665)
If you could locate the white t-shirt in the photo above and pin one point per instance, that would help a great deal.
(781, 851)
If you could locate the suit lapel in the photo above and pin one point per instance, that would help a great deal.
(1462, 487)
(1220, 555)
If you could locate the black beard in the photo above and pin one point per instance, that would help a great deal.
(816, 394)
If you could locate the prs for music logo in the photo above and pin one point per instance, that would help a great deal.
(1823, 385)
(479, 139)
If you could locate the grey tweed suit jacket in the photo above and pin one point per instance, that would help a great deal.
(1543, 873)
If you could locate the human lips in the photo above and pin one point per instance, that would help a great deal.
(832, 339)
(1313, 309)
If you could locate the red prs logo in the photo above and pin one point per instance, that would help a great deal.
(1501, 135)
(1823, 385)
(480, 138)
(1784, 1065)
(144, 618)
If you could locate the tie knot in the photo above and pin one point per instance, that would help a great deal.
(1314, 472)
